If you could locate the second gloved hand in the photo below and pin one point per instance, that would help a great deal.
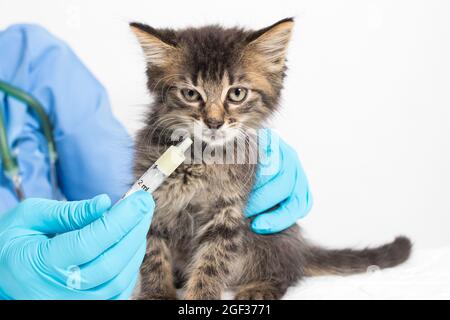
(281, 193)
(96, 253)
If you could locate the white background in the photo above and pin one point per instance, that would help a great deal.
(366, 103)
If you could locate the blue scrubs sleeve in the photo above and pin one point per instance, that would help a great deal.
(93, 147)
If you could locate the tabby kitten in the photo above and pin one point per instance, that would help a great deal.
(223, 81)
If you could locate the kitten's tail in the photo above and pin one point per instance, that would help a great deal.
(347, 261)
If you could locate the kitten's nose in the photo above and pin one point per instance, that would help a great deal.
(214, 123)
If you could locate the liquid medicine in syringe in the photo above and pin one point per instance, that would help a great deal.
(161, 169)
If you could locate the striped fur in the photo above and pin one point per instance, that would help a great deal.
(199, 238)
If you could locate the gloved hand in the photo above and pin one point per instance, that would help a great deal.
(280, 185)
(95, 254)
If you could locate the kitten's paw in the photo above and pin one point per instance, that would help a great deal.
(201, 287)
(259, 292)
(155, 296)
(257, 295)
(201, 294)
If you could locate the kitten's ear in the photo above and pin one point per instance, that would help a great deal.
(271, 44)
(159, 45)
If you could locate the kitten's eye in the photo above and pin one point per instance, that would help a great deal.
(237, 94)
(190, 95)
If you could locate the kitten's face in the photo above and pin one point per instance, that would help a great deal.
(214, 83)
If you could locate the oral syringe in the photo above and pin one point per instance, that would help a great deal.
(161, 169)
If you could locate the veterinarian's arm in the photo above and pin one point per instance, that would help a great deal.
(96, 253)
(281, 194)
(93, 147)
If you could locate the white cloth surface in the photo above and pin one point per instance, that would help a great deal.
(426, 275)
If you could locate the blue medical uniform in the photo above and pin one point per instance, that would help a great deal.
(94, 148)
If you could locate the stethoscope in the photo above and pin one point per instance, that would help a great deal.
(9, 161)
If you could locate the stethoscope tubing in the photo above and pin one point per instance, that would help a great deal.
(9, 161)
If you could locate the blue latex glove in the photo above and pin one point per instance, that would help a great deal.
(281, 194)
(96, 253)
(92, 145)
